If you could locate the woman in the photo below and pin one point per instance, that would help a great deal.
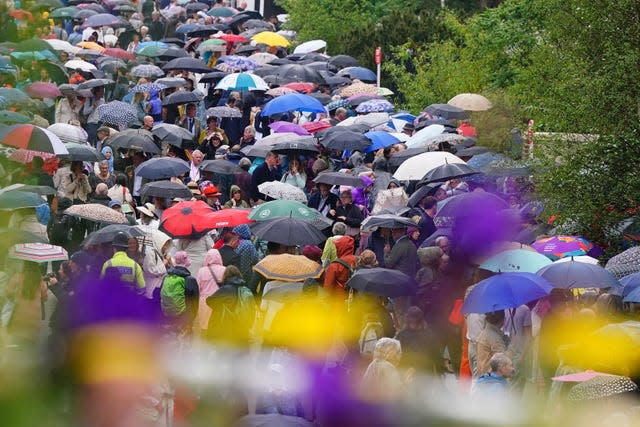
(140, 104)
(107, 152)
(235, 201)
(295, 175)
(76, 183)
(27, 291)
(348, 213)
(134, 43)
(210, 145)
(211, 130)
(414, 235)
(208, 278)
(381, 380)
(119, 191)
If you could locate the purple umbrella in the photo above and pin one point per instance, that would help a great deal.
(238, 62)
(105, 20)
(557, 247)
(375, 106)
(281, 126)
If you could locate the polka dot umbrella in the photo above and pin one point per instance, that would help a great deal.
(601, 387)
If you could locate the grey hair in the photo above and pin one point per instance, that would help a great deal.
(251, 130)
(103, 163)
(388, 349)
(339, 229)
(441, 239)
(197, 151)
(498, 360)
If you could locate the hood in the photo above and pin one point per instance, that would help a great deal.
(344, 246)
(159, 239)
(213, 258)
(233, 189)
(234, 281)
(243, 231)
(179, 271)
(428, 256)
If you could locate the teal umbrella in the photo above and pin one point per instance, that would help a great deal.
(516, 261)
(282, 208)
(64, 13)
(12, 117)
(19, 199)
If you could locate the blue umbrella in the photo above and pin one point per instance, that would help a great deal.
(380, 139)
(6, 66)
(632, 296)
(407, 117)
(574, 274)
(482, 160)
(505, 290)
(359, 73)
(19, 199)
(515, 261)
(629, 283)
(162, 168)
(292, 102)
(160, 45)
(187, 28)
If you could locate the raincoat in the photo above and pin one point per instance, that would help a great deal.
(336, 274)
(153, 265)
(247, 251)
(208, 278)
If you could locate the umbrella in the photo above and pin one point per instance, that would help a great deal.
(212, 45)
(579, 377)
(282, 191)
(310, 46)
(295, 148)
(33, 138)
(11, 117)
(446, 172)
(119, 53)
(629, 256)
(147, 87)
(574, 274)
(165, 190)
(375, 106)
(383, 282)
(356, 100)
(516, 260)
(601, 387)
(227, 218)
(162, 167)
(290, 73)
(263, 58)
(337, 104)
(181, 97)
(467, 204)
(38, 252)
(205, 30)
(505, 290)
(278, 138)
(386, 221)
(371, 120)
(359, 73)
(69, 12)
(89, 84)
(188, 220)
(26, 156)
(288, 231)
(85, 13)
(224, 12)
(232, 38)
(172, 134)
(256, 150)
(359, 88)
(420, 138)
(562, 246)
(43, 90)
(224, 111)
(414, 168)
(105, 20)
(212, 77)
(338, 178)
(627, 285)
(187, 64)
(13, 236)
(282, 208)
(631, 293)
(237, 63)
(242, 81)
(270, 39)
(11, 200)
(106, 234)
(97, 213)
(147, 70)
(220, 166)
(42, 190)
(314, 127)
(279, 91)
(134, 139)
(83, 152)
(349, 140)
(12, 95)
(446, 111)
(472, 151)
(379, 139)
(77, 64)
(91, 46)
(288, 268)
(171, 53)
(470, 102)
(580, 258)
(68, 133)
(344, 61)
(117, 113)
(281, 126)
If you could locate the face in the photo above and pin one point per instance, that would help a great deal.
(191, 111)
(272, 161)
(345, 199)
(324, 189)
(104, 169)
(197, 158)
(237, 196)
(132, 245)
(247, 134)
(212, 124)
(415, 235)
(393, 185)
(148, 122)
(107, 155)
(444, 245)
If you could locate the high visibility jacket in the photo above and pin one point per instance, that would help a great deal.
(130, 271)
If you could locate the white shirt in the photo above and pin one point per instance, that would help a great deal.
(194, 172)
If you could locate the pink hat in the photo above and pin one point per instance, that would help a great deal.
(181, 259)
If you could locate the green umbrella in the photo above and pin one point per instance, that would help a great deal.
(64, 13)
(222, 12)
(151, 51)
(47, 5)
(28, 56)
(282, 208)
(32, 45)
(19, 199)
(12, 117)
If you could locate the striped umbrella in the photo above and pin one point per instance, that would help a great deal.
(147, 70)
(242, 81)
(38, 252)
(32, 137)
(69, 133)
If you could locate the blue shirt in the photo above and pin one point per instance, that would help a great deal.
(491, 383)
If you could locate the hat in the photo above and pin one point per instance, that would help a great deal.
(193, 186)
(148, 209)
(181, 259)
(121, 240)
(409, 127)
(312, 252)
(211, 191)
(114, 203)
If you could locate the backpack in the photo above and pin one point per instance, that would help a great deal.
(243, 309)
(60, 230)
(172, 299)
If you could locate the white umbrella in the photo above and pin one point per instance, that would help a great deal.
(470, 102)
(371, 120)
(402, 137)
(282, 191)
(414, 168)
(62, 45)
(310, 46)
(78, 64)
(68, 133)
(277, 138)
(433, 141)
(582, 258)
(263, 58)
(418, 139)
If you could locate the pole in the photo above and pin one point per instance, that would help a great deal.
(378, 59)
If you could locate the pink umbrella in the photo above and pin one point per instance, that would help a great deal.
(314, 127)
(281, 126)
(43, 90)
(26, 156)
(580, 376)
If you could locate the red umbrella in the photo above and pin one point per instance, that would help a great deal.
(314, 127)
(190, 220)
(119, 53)
(21, 15)
(300, 87)
(43, 90)
(32, 137)
(233, 38)
(232, 217)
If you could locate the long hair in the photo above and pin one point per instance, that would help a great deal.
(31, 281)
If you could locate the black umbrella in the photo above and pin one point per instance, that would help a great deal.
(472, 151)
(360, 128)
(575, 274)
(213, 77)
(293, 148)
(162, 167)
(105, 20)
(344, 61)
(446, 172)
(260, 150)
(134, 139)
(84, 153)
(431, 240)
(346, 141)
(322, 97)
(94, 83)
(207, 30)
(338, 178)
(246, 50)
(337, 80)
(258, 23)
(181, 97)
(220, 166)
(172, 134)
(165, 189)
(172, 53)
(382, 282)
(386, 221)
(291, 73)
(173, 40)
(446, 123)
(195, 7)
(288, 231)
(188, 64)
(446, 111)
(106, 234)
(422, 192)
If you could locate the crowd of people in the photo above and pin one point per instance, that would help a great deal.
(217, 285)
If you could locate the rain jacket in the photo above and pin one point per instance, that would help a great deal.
(336, 274)
(153, 263)
(231, 204)
(196, 249)
(189, 296)
(247, 251)
(208, 278)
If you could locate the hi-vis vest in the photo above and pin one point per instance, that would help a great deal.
(129, 270)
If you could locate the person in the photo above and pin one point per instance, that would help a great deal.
(100, 196)
(212, 129)
(37, 176)
(429, 266)
(248, 137)
(339, 115)
(209, 277)
(235, 199)
(418, 342)
(348, 213)
(179, 294)
(295, 175)
(247, 252)
(466, 129)
(490, 341)
(102, 176)
(443, 243)
(409, 129)
(67, 109)
(228, 252)
(59, 227)
(414, 235)
(210, 146)
(133, 44)
(340, 270)
(426, 210)
(147, 216)
(189, 121)
(329, 253)
(156, 260)
(27, 292)
(127, 270)
(212, 197)
(243, 179)
(194, 167)
(76, 184)
(102, 134)
(404, 254)
(119, 190)
(147, 122)
(90, 111)
(323, 200)
(381, 380)
(139, 102)
(496, 380)
(266, 172)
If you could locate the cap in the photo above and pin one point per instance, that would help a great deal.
(121, 240)
(211, 191)
(114, 203)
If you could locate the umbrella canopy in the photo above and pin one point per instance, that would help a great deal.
(339, 178)
(181, 97)
(288, 231)
(282, 208)
(236, 63)
(470, 102)
(11, 200)
(188, 220)
(292, 102)
(580, 258)
(386, 221)
(574, 274)
(310, 46)
(242, 81)
(224, 112)
(230, 217)
(380, 139)
(374, 106)
(270, 39)
(147, 70)
(516, 260)
(290, 73)
(472, 151)
(105, 20)
(64, 13)
(629, 256)
(263, 58)
(579, 377)
(43, 90)
(83, 152)
(97, 213)
(414, 168)
(13, 236)
(295, 148)
(359, 88)
(213, 77)
(288, 268)
(172, 134)
(134, 139)
(117, 113)
(162, 168)
(344, 61)
(282, 191)
(68, 133)
(446, 172)
(38, 252)
(420, 138)
(33, 138)
(468, 204)
(147, 87)
(220, 166)
(446, 111)
(349, 140)
(165, 190)
(627, 285)
(281, 126)
(601, 387)
(505, 290)
(119, 53)
(11, 117)
(188, 64)
(42, 190)
(383, 282)
(77, 64)
(279, 138)
(106, 234)
(562, 246)
(359, 73)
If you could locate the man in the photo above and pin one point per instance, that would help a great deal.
(490, 341)
(426, 210)
(190, 122)
(266, 172)
(90, 111)
(323, 200)
(339, 115)
(147, 123)
(404, 254)
(68, 108)
(100, 195)
(409, 129)
(443, 243)
(348, 213)
(102, 135)
(495, 381)
(212, 197)
(228, 250)
(123, 267)
(196, 161)
(157, 27)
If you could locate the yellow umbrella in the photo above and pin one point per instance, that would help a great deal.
(92, 46)
(271, 39)
(288, 268)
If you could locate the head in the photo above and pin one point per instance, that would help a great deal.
(271, 159)
(413, 232)
(212, 123)
(181, 259)
(115, 205)
(37, 163)
(245, 163)
(388, 349)
(443, 243)
(147, 122)
(367, 259)
(236, 194)
(346, 198)
(414, 319)
(98, 92)
(104, 167)
(231, 273)
(396, 233)
(430, 205)
(249, 133)
(120, 242)
(103, 133)
(76, 167)
(102, 189)
(132, 246)
(341, 113)
(295, 165)
(501, 365)
(191, 110)
(324, 189)
(196, 157)
(495, 318)
(107, 152)
(339, 229)
(231, 239)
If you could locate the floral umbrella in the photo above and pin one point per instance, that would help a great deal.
(97, 213)
(557, 247)
(375, 106)
(38, 252)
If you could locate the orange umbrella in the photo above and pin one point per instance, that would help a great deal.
(92, 46)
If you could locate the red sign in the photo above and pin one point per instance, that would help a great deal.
(378, 56)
